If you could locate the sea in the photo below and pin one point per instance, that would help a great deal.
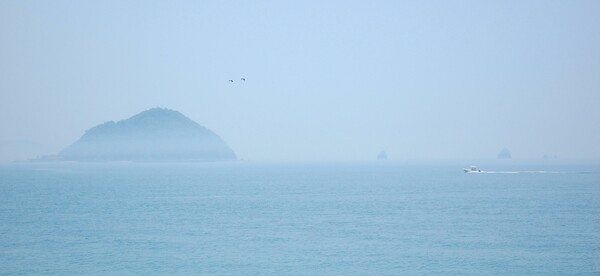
(253, 218)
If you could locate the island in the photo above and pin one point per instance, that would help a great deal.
(157, 134)
(504, 154)
(382, 156)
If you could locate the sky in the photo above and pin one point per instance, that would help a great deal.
(325, 80)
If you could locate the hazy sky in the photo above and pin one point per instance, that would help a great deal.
(326, 80)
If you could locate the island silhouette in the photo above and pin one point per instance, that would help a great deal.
(157, 134)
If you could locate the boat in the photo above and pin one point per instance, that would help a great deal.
(472, 169)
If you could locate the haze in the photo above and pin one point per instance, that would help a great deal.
(333, 80)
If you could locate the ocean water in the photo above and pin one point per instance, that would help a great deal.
(299, 219)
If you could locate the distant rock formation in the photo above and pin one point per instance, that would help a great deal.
(382, 156)
(504, 154)
(154, 135)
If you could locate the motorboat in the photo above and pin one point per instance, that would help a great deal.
(472, 169)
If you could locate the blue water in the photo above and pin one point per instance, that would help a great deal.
(334, 219)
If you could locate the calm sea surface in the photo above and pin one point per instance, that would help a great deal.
(247, 218)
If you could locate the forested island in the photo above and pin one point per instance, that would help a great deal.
(156, 134)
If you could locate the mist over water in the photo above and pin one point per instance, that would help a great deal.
(328, 81)
(305, 137)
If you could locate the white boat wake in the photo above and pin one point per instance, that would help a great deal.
(474, 169)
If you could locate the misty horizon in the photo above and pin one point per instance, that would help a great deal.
(503, 156)
(300, 137)
(338, 81)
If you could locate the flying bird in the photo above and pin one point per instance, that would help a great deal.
(230, 80)
(244, 79)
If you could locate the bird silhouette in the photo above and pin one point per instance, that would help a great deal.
(230, 80)
(244, 79)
